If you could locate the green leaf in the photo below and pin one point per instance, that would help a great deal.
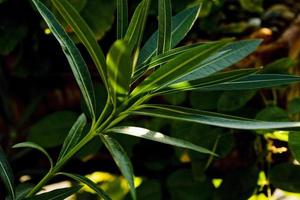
(294, 106)
(181, 25)
(51, 130)
(164, 26)
(122, 18)
(119, 70)
(22, 190)
(161, 59)
(209, 118)
(285, 176)
(233, 53)
(294, 144)
(84, 33)
(57, 194)
(137, 24)
(272, 113)
(121, 159)
(279, 66)
(255, 81)
(178, 68)
(209, 81)
(73, 55)
(74, 136)
(89, 183)
(158, 137)
(37, 147)
(234, 100)
(182, 185)
(6, 174)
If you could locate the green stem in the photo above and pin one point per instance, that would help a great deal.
(61, 163)
(109, 122)
(104, 112)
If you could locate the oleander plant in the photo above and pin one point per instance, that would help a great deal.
(135, 71)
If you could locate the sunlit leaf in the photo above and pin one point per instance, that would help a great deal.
(179, 67)
(57, 194)
(209, 118)
(162, 59)
(234, 52)
(158, 137)
(89, 183)
(119, 70)
(209, 81)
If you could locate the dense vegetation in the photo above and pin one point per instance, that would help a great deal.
(41, 101)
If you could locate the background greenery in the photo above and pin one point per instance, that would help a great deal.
(250, 165)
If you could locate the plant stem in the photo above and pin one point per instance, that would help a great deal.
(104, 112)
(61, 163)
(109, 122)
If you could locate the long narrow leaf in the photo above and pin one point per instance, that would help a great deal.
(89, 183)
(74, 136)
(162, 59)
(178, 67)
(122, 18)
(164, 26)
(119, 70)
(84, 33)
(76, 61)
(209, 81)
(6, 174)
(159, 137)
(181, 25)
(209, 118)
(234, 52)
(121, 159)
(255, 81)
(37, 147)
(58, 194)
(136, 27)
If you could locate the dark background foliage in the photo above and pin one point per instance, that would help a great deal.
(40, 101)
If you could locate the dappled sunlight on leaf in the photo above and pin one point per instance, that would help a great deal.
(115, 186)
